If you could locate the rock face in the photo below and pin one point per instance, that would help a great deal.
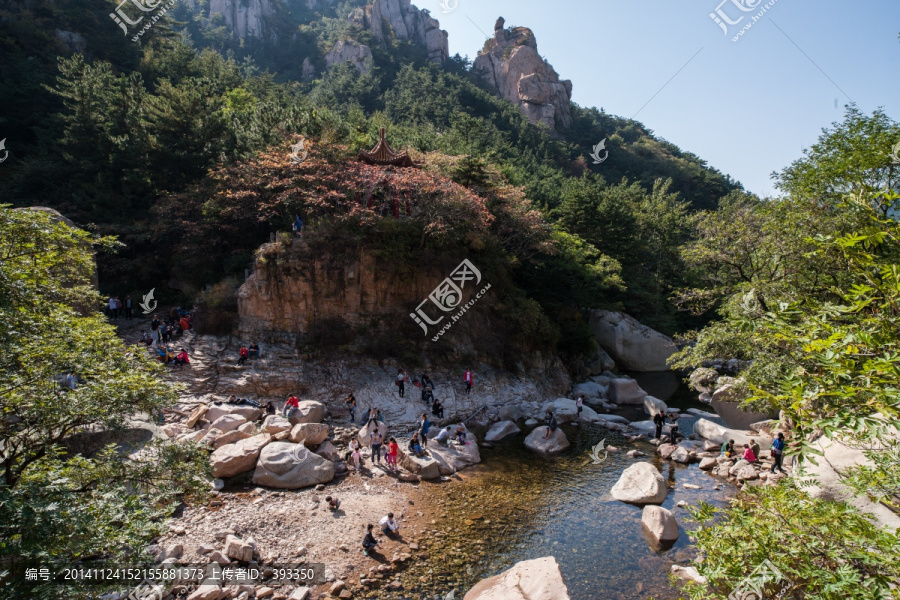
(653, 405)
(291, 466)
(640, 483)
(239, 457)
(660, 524)
(633, 346)
(500, 431)
(557, 442)
(245, 18)
(538, 579)
(347, 50)
(406, 22)
(512, 67)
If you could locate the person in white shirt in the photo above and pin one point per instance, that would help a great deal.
(443, 436)
(389, 525)
(579, 404)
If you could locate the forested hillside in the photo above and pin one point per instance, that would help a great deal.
(104, 129)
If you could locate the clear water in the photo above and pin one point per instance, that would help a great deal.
(517, 506)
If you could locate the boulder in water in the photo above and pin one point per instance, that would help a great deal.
(653, 405)
(537, 579)
(660, 524)
(500, 431)
(633, 345)
(625, 391)
(454, 457)
(640, 483)
(291, 466)
(556, 443)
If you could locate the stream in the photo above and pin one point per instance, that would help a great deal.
(517, 505)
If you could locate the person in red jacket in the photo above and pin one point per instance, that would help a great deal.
(182, 358)
(292, 403)
(244, 353)
(469, 379)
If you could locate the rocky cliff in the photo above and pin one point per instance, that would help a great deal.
(245, 18)
(512, 67)
(400, 18)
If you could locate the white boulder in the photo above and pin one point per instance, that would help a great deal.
(537, 579)
(557, 442)
(250, 413)
(634, 346)
(500, 431)
(291, 466)
(307, 411)
(625, 391)
(276, 424)
(641, 483)
(653, 405)
(309, 434)
(660, 524)
(239, 457)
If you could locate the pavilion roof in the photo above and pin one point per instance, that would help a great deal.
(383, 154)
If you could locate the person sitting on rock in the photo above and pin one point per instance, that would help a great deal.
(437, 409)
(551, 425)
(333, 503)
(748, 454)
(254, 350)
(443, 436)
(243, 354)
(728, 449)
(389, 525)
(161, 354)
(365, 417)
(426, 382)
(461, 434)
(270, 408)
(293, 403)
(427, 395)
(415, 447)
(182, 358)
(369, 542)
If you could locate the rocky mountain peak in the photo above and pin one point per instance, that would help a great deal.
(406, 22)
(511, 65)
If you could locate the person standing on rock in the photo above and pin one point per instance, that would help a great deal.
(393, 451)
(376, 440)
(778, 453)
(292, 404)
(401, 382)
(351, 406)
(369, 542)
(424, 427)
(674, 431)
(579, 406)
(659, 420)
(551, 425)
(469, 379)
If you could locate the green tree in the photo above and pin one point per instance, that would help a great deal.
(57, 507)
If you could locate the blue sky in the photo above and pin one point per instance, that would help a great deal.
(749, 107)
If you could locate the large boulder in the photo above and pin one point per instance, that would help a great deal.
(307, 411)
(425, 466)
(291, 466)
(649, 427)
(239, 457)
(653, 405)
(228, 423)
(727, 404)
(365, 434)
(350, 51)
(537, 579)
(681, 455)
(590, 390)
(827, 481)
(634, 347)
(641, 483)
(556, 443)
(563, 409)
(660, 524)
(625, 391)
(500, 431)
(250, 413)
(328, 451)
(309, 434)
(230, 438)
(454, 457)
(719, 434)
(275, 424)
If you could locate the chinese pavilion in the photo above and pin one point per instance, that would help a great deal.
(383, 155)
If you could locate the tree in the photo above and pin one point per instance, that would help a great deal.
(54, 506)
